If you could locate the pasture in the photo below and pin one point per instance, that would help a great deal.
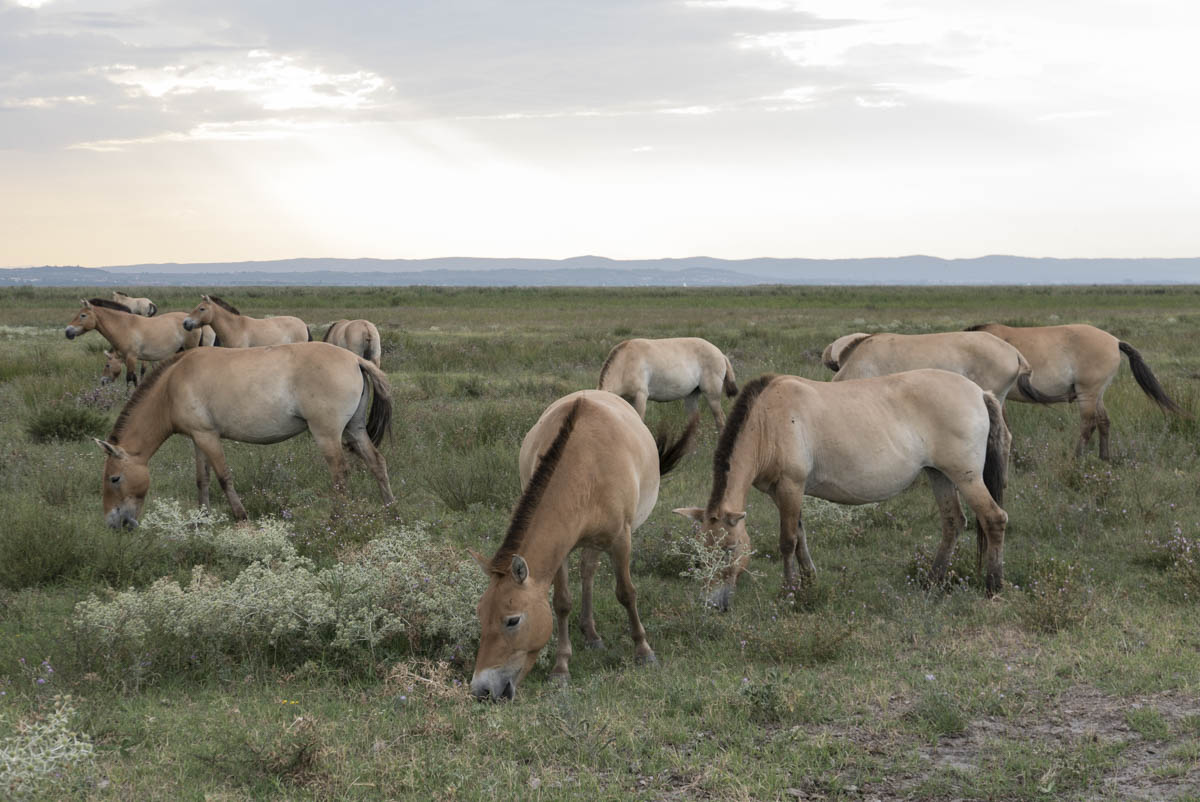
(346, 676)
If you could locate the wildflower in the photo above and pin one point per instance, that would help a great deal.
(930, 677)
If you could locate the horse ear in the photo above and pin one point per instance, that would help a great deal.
(111, 449)
(691, 513)
(85, 303)
(732, 519)
(107, 354)
(519, 568)
(484, 562)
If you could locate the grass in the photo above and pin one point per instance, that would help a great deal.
(823, 694)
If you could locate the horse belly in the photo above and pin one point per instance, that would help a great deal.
(262, 429)
(672, 385)
(862, 486)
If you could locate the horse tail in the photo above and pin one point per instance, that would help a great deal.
(379, 418)
(669, 454)
(372, 349)
(731, 388)
(328, 331)
(308, 331)
(995, 463)
(1148, 382)
(1025, 385)
(153, 309)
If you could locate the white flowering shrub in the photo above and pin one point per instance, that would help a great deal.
(282, 606)
(42, 753)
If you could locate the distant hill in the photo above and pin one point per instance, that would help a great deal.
(597, 271)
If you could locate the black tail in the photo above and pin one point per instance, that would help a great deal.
(1036, 396)
(669, 454)
(730, 384)
(995, 465)
(328, 331)
(1147, 381)
(308, 331)
(379, 418)
(153, 309)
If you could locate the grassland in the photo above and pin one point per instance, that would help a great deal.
(1080, 681)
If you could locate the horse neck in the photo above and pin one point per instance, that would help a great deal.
(555, 529)
(747, 463)
(149, 423)
(113, 328)
(225, 323)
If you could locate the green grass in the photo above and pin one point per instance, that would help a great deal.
(866, 684)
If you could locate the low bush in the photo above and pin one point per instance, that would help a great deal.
(1058, 595)
(282, 608)
(66, 422)
(43, 756)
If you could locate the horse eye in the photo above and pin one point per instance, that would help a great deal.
(512, 621)
(115, 479)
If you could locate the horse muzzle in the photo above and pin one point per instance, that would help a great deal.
(492, 685)
(121, 519)
(72, 332)
(188, 324)
(105, 380)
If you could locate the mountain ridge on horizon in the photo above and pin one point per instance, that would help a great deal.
(591, 270)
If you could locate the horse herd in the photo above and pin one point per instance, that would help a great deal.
(898, 405)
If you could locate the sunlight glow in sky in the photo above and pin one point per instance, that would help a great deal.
(174, 130)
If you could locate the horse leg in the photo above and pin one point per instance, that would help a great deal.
(639, 403)
(1087, 414)
(131, 376)
(714, 403)
(627, 596)
(588, 558)
(361, 444)
(789, 499)
(562, 611)
(210, 444)
(953, 521)
(992, 520)
(202, 478)
(335, 457)
(691, 402)
(1102, 426)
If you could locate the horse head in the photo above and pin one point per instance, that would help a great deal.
(83, 322)
(126, 482)
(515, 623)
(726, 538)
(202, 315)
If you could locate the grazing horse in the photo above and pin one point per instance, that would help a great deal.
(252, 395)
(986, 360)
(855, 442)
(590, 471)
(133, 336)
(359, 336)
(667, 370)
(1077, 362)
(235, 330)
(139, 306)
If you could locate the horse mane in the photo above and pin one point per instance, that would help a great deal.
(979, 327)
(221, 302)
(849, 349)
(107, 304)
(612, 355)
(122, 294)
(729, 436)
(328, 331)
(534, 491)
(143, 389)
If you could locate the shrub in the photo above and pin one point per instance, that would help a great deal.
(62, 422)
(1181, 555)
(42, 754)
(480, 476)
(1057, 596)
(284, 608)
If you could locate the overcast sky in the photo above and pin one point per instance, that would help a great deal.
(209, 130)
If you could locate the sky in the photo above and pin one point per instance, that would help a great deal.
(136, 131)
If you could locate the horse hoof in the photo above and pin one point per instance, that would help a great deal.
(598, 643)
(560, 680)
(647, 659)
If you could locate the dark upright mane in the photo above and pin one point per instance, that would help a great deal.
(608, 362)
(228, 307)
(729, 436)
(142, 390)
(107, 304)
(533, 493)
(978, 327)
(849, 349)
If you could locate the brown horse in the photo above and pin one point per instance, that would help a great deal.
(115, 360)
(855, 442)
(252, 395)
(359, 336)
(235, 330)
(133, 336)
(139, 306)
(590, 469)
(668, 370)
(1077, 362)
(986, 360)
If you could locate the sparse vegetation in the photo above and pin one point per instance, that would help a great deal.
(305, 657)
